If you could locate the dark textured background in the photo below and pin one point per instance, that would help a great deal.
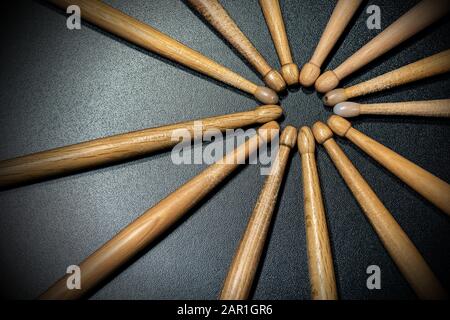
(60, 87)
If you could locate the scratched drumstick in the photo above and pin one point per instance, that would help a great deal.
(150, 225)
(120, 147)
(218, 17)
(141, 34)
(274, 19)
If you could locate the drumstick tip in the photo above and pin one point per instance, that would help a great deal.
(268, 131)
(266, 95)
(309, 74)
(347, 109)
(290, 73)
(334, 97)
(327, 81)
(339, 125)
(288, 136)
(321, 132)
(305, 141)
(275, 81)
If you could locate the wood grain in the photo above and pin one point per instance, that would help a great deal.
(428, 185)
(218, 17)
(143, 35)
(340, 18)
(242, 271)
(141, 232)
(424, 68)
(320, 259)
(401, 249)
(121, 147)
(416, 19)
(424, 108)
(274, 19)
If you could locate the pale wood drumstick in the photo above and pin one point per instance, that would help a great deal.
(320, 259)
(274, 19)
(218, 17)
(120, 147)
(428, 185)
(140, 233)
(426, 108)
(141, 34)
(242, 271)
(430, 66)
(401, 249)
(340, 18)
(416, 19)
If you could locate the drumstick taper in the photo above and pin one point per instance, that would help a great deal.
(274, 19)
(121, 147)
(397, 243)
(340, 18)
(428, 185)
(426, 108)
(320, 259)
(242, 271)
(416, 19)
(430, 66)
(140, 233)
(217, 16)
(143, 35)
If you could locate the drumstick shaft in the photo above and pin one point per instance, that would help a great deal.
(341, 16)
(274, 19)
(419, 17)
(430, 108)
(240, 277)
(320, 260)
(124, 26)
(424, 68)
(121, 147)
(405, 255)
(428, 185)
(218, 17)
(140, 233)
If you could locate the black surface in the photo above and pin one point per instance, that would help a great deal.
(60, 87)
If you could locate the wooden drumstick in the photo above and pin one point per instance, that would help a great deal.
(320, 260)
(121, 147)
(405, 255)
(141, 34)
(340, 18)
(140, 233)
(430, 66)
(274, 19)
(416, 19)
(427, 108)
(242, 271)
(218, 17)
(429, 186)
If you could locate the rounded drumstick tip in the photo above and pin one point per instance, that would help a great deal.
(334, 97)
(309, 74)
(321, 132)
(290, 73)
(347, 109)
(326, 82)
(288, 136)
(305, 141)
(339, 125)
(268, 131)
(275, 81)
(266, 95)
(268, 113)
